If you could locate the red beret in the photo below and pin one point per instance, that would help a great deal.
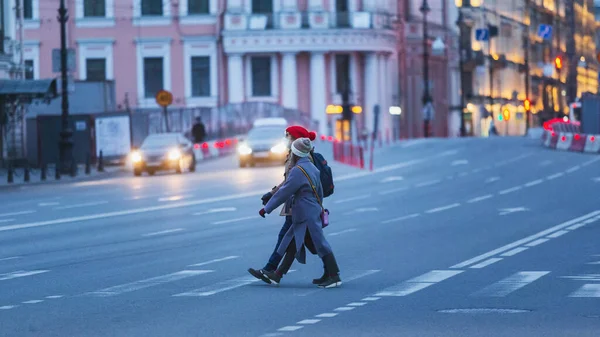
(297, 131)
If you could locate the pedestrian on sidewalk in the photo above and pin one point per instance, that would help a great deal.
(198, 131)
(303, 187)
(291, 133)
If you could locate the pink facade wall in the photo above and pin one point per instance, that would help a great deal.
(303, 66)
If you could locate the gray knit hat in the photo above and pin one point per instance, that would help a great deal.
(301, 147)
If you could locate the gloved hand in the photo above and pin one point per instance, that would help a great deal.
(265, 198)
(262, 212)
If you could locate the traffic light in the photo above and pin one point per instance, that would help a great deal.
(558, 63)
(500, 117)
(506, 114)
(527, 105)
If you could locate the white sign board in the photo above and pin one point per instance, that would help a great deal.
(113, 136)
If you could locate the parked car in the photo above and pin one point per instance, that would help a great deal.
(263, 144)
(164, 152)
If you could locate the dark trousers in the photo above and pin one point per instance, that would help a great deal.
(275, 258)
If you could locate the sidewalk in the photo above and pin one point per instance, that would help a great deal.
(36, 179)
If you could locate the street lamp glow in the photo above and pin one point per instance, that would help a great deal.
(395, 110)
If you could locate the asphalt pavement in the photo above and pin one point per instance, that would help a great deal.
(446, 237)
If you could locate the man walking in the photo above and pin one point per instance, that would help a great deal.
(198, 131)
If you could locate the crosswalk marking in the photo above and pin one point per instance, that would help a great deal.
(214, 261)
(510, 284)
(220, 287)
(557, 234)
(327, 315)
(587, 290)
(574, 227)
(20, 273)
(419, 283)
(486, 263)
(354, 275)
(514, 251)
(536, 242)
(154, 281)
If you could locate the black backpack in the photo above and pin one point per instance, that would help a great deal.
(326, 174)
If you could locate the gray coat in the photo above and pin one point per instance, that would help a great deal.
(306, 211)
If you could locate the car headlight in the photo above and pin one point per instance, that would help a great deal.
(174, 154)
(244, 149)
(279, 148)
(136, 157)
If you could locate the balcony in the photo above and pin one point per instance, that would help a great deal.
(307, 31)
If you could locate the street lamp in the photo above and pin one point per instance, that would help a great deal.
(66, 143)
(427, 101)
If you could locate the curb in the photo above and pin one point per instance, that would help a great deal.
(65, 180)
(572, 142)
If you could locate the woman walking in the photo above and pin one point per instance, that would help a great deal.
(304, 187)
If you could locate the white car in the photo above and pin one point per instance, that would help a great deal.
(263, 144)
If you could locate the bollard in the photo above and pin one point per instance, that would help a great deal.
(57, 171)
(26, 176)
(43, 173)
(11, 177)
(100, 162)
(362, 158)
(88, 168)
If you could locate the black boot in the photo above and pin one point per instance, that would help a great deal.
(322, 278)
(333, 273)
(260, 274)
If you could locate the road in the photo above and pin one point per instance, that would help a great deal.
(462, 237)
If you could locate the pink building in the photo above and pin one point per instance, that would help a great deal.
(299, 54)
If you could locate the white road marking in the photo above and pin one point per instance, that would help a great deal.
(590, 161)
(523, 241)
(587, 290)
(237, 219)
(428, 183)
(351, 278)
(486, 263)
(371, 299)
(536, 242)
(290, 328)
(363, 210)
(309, 321)
(554, 176)
(573, 169)
(10, 258)
(356, 304)
(585, 277)
(344, 308)
(16, 213)
(217, 210)
(505, 211)
(557, 234)
(327, 315)
(443, 208)
(214, 261)
(533, 183)
(406, 217)
(20, 273)
(7, 220)
(87, 204)
(460, 162)
(168, 231)
(510, 190)
(54, 296)
(546, 163)
(8, 307)
(390, 179)
(343, 232)
(395, 190)
(491, 180)
(590, 221)
(221, 287)
(46, 204)
(514, 251)
(142, 284)
(574, 227)
(511, 284)
(419, 283)
(33, 302)
(362, 197)
(476, 170)
(484, 197)
(175, 197)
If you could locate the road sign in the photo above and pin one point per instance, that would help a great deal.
(164, 98)
(545, 32)
(482, 34)
(71, 64)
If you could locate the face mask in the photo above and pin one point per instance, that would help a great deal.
(288, 143)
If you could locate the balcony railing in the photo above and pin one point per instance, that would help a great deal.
(308, 20)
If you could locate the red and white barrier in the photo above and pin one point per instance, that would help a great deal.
(574, 142)
(349, 154)
(215, 149)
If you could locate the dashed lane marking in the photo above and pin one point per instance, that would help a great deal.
(309, 321)
(6, 220)
(478, 199)
(290, 328)
(402, 218)
(10, 258)
(533, 183)
(221, 287)
(557, 234)
(486, 263)
(371, 299)
(54, 296)
(217, 210)
(342, 232)
(33, 301)
(8, 307)
(235, 220)
(428, 183)
(354, 275)
(491, 180)
(573, 169)
(344, 308)
(87, 204)
(514, 251)
(362, 197)
(327, 315)
(536, 242)
(214, 261)
(20, 273)
(574, 227)
(554, 176)
(16, 213)
(395, 190)
(356, 304)
(510, 190)
(168, 231)
(443, 208)
(175, 197)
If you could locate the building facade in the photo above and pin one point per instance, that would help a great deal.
(300, 54)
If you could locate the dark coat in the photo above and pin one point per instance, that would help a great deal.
(306, 211)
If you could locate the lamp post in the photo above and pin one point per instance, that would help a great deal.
(460, 24)
(427, 100)
(66, 143)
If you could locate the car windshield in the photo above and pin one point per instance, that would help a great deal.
(264, 133)
(159, 141)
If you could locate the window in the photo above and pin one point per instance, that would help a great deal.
(152, 8)
(262, 6)
(153, 76)
(29, 73)
(196, 7)
(28, 9)
(95, 69)
(200, 76)
(94, 8)
(342, 72)
(261, 76)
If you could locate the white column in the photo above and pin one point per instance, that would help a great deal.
(289, 83)
(235, 78)
(384, 89)
(371, 90)
(318, 91)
